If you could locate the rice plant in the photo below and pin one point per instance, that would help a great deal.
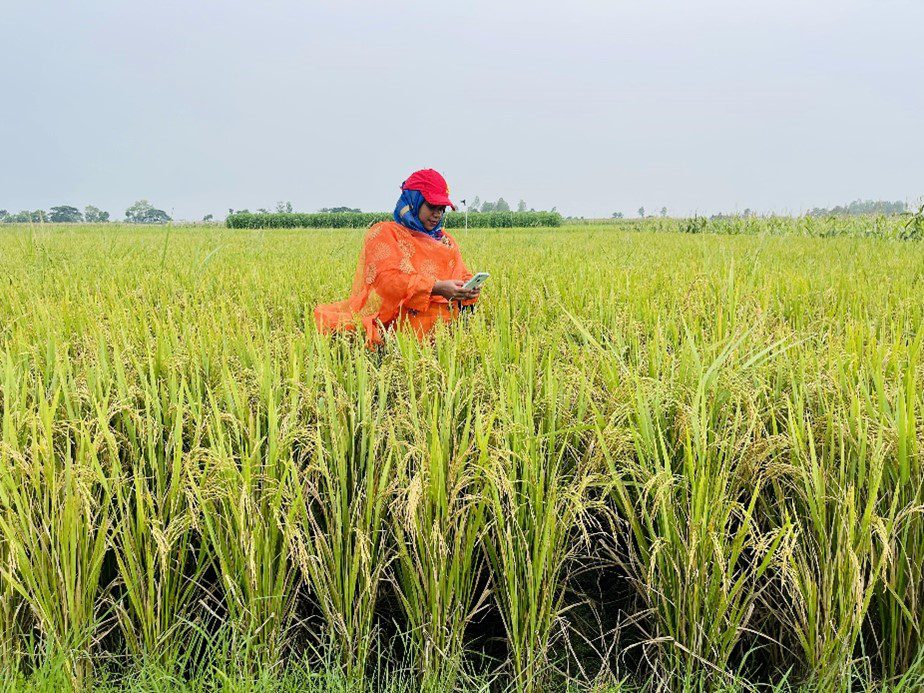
(439, 520)
(336, 506)
(55, 521)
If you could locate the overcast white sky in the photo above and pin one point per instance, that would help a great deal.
(590, 106)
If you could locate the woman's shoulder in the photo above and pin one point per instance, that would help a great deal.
(393, 231)
(387, 229)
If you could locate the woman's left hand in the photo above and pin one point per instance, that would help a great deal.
(467, 294)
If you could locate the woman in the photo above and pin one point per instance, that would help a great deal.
(410, 270)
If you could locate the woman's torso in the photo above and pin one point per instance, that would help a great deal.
(422, 254)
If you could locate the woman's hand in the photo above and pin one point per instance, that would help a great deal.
(452, 290)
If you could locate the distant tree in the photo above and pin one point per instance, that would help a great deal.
(747, 211)
(617, 215)
(64, 214)
(207, 217)
(521, 206)
(874, 207)
(262, 210)
(340, 210)
(143, 212)
(476, 204)
(284, 207)
(641, 212)
(554, 209)
(488, 206)
(663, 211)
(858, 207)
(4, 217)
(94, 215)
(501, 205)
(26, 217)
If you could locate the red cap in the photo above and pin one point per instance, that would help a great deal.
(431, 185)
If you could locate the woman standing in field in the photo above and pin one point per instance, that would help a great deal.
(410, 270)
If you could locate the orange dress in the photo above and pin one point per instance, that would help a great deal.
(393, 283)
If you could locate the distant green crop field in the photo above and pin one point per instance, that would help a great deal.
(342, 220)
(648, 456)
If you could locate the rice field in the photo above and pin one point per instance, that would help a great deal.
(650, 460)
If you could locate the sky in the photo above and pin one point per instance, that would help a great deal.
(588, 106)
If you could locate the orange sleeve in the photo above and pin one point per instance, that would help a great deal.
(392, 277)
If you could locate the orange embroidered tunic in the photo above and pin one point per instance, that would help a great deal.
(393, 283)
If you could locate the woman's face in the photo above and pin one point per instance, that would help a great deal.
(430, 216)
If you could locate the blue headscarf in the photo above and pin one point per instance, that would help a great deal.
(406, 214)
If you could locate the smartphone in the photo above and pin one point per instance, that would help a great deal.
(477, 281)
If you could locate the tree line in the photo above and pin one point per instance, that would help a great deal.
(141, 212)
(500, 205)
(855, 208)
(858, 207)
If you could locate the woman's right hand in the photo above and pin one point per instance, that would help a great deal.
(452, 290)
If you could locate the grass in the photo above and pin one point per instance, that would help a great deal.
(720, 433)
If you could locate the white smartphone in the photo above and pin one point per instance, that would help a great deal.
(477, 281)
